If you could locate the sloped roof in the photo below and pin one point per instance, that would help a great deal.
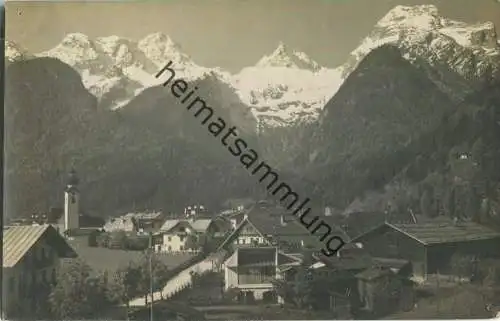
(443, 232)
(18, 240)
(430, 233)
(168, 225)
(360, 262)
(199, 225)
(267, 221)
(395, 264)
(125, 222)
(148, 215)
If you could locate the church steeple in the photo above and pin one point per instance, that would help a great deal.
(72, 181)
(71, 202)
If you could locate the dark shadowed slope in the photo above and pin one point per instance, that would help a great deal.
(365, 128)
(151, 154)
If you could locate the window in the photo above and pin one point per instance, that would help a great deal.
(169, 238)
(73, 199)
(181, 238)
(181, 248)
(242, 241)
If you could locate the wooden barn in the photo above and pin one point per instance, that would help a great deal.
(430, 246)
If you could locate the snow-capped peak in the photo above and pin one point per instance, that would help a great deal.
(115, 69)
(286, 86)
(14, 52)
(422, 33)
(159, 47)
(282, 57)
(75, 49)
(421, 17)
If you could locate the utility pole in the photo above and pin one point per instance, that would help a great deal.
(151, 272)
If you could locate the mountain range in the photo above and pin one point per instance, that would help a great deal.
(286, 86)
(363, 127)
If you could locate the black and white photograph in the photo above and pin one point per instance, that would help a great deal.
(251, 160)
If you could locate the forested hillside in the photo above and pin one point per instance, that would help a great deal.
(392, 139)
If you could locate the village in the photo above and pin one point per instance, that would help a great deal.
(252, 261)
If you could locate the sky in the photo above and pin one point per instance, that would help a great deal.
(230, 34)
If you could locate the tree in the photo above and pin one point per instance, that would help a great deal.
(418, 168)
(192, 242)
(284, 290)
(426, 204)
(77, 294)
(103, 239)
(484, 210)
(478, 150)
(124, 284)
(299, 290)
(449, 203)
(136, 243)
(472, 207)
(118, 240)
(491, 282)
(150, 266)
(92, 239)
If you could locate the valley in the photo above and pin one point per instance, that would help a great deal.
(408, 122)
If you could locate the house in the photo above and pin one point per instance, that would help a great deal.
(197, 212)
(431, 246)
(265, 225)
(176, 235)
(149, 222)
(31, 257)
(135, 222)
(124, 223)
(234, 216)
(347, 275)
(251, 271)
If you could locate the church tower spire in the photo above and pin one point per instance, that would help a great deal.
(71, 202)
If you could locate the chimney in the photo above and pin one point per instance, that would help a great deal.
(328, 211)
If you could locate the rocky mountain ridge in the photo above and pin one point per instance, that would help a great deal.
(286, 86)
(420, 32)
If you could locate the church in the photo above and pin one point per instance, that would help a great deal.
(70, 220)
